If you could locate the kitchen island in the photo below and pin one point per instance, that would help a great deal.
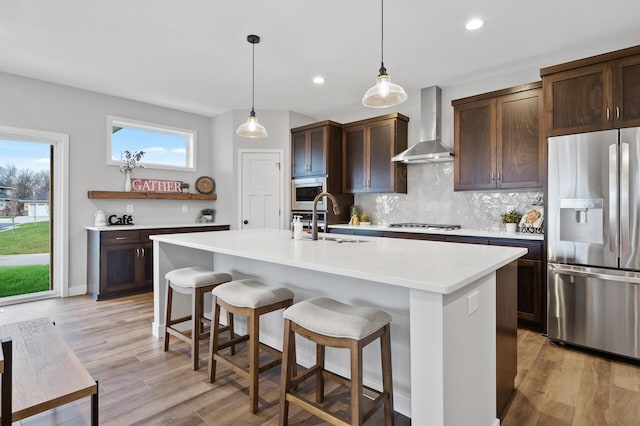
(441, 296)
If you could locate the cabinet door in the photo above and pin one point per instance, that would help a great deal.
(475, 145)
(520, 149)
(145, 265)
(119, 268)
(578, 100)
(626, 84)
(317, 152)
(530, 294)
(355, 173)
(381, 149)
(299, 166)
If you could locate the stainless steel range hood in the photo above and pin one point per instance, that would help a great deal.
(429, 149)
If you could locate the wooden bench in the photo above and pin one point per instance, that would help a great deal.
(45, 372)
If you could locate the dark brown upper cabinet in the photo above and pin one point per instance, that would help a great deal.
(596, 93)
(498, 139)
(316, 149)
(367, 149)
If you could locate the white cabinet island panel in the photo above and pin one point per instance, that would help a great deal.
(441, 297)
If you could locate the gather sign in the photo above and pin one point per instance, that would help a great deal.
(155, 185)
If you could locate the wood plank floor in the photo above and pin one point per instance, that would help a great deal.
(140, 384)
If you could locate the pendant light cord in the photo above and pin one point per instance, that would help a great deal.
(382, 32)
(253, 76)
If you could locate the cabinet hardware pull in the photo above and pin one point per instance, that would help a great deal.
(493, 176)
(143, 252)
(121, 238)
(498, 176)
(617, 112)
(137, 252)
(608, 114)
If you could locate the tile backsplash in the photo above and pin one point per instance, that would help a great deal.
(430, 198)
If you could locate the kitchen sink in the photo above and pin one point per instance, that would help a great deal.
(338, 239)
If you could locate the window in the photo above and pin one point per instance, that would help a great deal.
(164, 147)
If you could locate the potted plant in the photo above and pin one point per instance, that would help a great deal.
(511, 219)
(185, 187)
(207, 214)
(365, 219)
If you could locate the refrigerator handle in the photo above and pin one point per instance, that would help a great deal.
(598, 275)
(613, 198)
(624, 198)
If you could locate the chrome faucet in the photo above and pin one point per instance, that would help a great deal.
(314, 215)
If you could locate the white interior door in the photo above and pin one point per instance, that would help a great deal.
(261, 189)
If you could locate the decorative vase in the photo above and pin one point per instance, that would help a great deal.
(511, 227)
(127, 183)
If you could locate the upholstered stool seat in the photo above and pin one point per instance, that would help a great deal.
(328, 322)
(248, 298)
(193, 281)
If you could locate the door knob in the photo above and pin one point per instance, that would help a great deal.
(246, 222)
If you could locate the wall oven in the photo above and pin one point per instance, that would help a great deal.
(303, 191)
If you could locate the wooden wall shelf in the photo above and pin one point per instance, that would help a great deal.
(115, 195)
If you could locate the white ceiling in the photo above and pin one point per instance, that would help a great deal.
(193, 55)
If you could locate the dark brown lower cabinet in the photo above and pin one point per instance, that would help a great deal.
(121, 262)
(532, 287)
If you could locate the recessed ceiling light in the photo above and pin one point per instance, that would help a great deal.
(318, 79)
(474, 24)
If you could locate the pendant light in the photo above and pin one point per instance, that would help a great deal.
(384, 93)
(252, 129)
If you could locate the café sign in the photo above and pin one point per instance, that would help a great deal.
(155, 185)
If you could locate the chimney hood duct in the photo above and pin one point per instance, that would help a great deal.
(429, 149)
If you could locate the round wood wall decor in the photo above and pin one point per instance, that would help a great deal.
(205, 185)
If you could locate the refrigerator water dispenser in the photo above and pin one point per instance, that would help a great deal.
(581, 220)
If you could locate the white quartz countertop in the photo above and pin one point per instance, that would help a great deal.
(433, 266)
(466, 232)
(150, 226)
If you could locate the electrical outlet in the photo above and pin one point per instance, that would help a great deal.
(185, 208)
(473, 303)
(129, 208)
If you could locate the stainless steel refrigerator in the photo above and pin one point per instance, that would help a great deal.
(593, 240)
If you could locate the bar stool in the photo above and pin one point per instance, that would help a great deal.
(248, 298)
(195, 282)
(327, 322)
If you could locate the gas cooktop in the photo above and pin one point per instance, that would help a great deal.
(424, 226)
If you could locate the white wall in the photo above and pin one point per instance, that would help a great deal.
(430, 196)
(225, 154)
(34, 104)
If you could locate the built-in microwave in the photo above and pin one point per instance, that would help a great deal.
(303, 191)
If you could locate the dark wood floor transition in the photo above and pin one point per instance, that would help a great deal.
(140, 384)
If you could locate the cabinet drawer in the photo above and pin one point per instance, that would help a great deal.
(144, 235)
(466, 240)
(110, 238)
(534, 247)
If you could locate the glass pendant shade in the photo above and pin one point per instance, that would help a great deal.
(252, 129)
(384, 93)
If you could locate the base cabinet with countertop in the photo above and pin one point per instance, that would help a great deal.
(532, 289)
(120, 261)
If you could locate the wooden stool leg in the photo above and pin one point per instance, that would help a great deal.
(320, 351)
(288, 360)
(232, 331)
(387, 378)
(167, 316)
(213, 341)
(254, 366)
(196, 313)
(356, 383)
